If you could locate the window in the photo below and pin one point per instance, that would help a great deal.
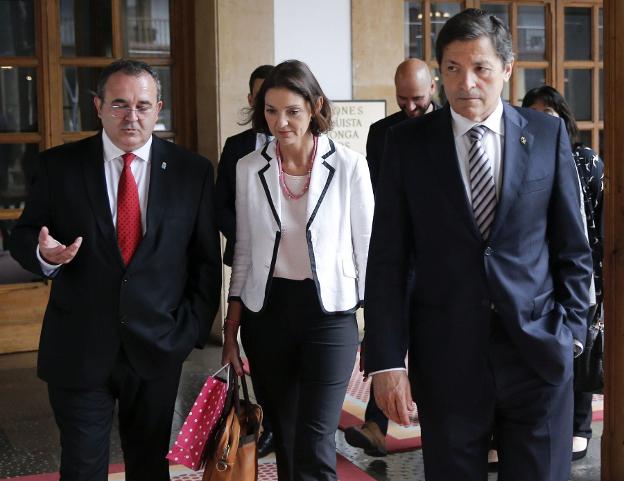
(51, 54)
(555, 42)
(580, 67)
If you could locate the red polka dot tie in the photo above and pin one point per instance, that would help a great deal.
(129, 230)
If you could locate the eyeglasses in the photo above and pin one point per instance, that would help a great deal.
(121, 111)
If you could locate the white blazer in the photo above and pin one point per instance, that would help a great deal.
(339, 209)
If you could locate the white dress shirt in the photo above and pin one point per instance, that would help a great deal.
(492, 142)
(140, 166)
(113, 165)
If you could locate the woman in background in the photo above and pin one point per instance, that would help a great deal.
(590, 168)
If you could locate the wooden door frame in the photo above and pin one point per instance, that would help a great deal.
(613, 430)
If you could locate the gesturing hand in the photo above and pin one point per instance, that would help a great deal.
(53, 252)
(393, 395)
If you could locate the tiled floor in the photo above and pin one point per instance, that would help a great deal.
(29, 441)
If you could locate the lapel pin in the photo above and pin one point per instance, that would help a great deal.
(523, 140)
(163, 166)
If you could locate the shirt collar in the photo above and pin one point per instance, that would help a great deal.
(461, 125)
(111, 151)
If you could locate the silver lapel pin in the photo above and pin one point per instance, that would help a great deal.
(523, 140)
(163, 166)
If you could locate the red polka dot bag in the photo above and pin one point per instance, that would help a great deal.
(189, 446)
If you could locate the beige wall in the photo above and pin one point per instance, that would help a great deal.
(233, 37)
(377, 46)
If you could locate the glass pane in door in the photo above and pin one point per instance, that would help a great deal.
(600, 34)
(148, 28)
(578, 92)
(578, 36)
(526, 79)
(413, 18)
(531, 33)
(585, 138)
(17, 168)
(165, 120)
(17, 28)
(439, 14)
(500, 11)
(18, 99)
(86, 28)
(79, 88)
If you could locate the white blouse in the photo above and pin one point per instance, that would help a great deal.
(293, 259)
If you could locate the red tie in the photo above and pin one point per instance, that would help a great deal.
(129, 230)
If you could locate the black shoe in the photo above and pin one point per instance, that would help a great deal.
(265, 444)
(367, 437)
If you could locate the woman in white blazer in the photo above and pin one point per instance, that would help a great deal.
(304, 207)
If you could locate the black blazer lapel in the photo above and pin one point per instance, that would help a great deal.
(444, 162)
(95, 182)
(321, 178)
(269, 185)
(160, 166)
(515, 156)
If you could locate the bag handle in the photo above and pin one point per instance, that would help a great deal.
(243, 380)
(226, 368)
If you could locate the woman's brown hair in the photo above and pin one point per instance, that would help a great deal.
(297, 77)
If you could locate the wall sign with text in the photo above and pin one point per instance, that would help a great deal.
(352, 119)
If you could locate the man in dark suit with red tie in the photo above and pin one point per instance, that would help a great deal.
(124, 224)
(486, 198)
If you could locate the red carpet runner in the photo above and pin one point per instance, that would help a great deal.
(399, 438)
(267, 472)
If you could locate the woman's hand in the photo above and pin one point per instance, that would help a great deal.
(231, 354)
(231, 351)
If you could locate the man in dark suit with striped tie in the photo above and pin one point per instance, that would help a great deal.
(485, 196)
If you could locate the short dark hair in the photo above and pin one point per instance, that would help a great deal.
(297, 77)
(550, 97)
(472, 24)
(127, 67)
(261, 72)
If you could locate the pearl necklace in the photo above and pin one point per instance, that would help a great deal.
(287, 192)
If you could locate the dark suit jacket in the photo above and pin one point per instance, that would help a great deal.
(377, 139)
(160, 306)
(235, 147)
(534, 270)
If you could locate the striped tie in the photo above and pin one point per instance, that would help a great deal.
(482, 185)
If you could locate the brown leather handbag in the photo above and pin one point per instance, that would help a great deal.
(234, 454)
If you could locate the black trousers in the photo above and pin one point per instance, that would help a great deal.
(303, 358)
(373, 413)
(583, 400)
(582, 414)
(495, 392)
(85, 417)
